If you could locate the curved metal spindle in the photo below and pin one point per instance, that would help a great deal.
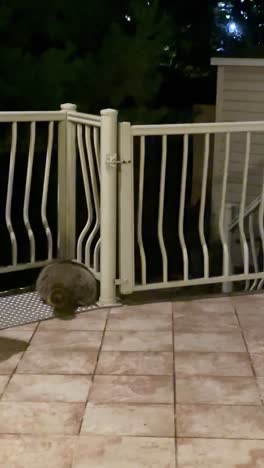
(45, 191)
(96, 137)
(182, 206)
(253, 247)
(87, 192)
(261, 227)
(31, 153)
(202, 205)
(97, 256)
(140, 211)
(10, 184)
(243, 239)
(161, 209)
(97, 148)
(95, 194)
(222, 230)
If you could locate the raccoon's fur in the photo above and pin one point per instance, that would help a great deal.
(66, 285)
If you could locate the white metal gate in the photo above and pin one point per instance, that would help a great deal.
(248, 224)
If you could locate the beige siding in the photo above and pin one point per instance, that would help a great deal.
(240, 97)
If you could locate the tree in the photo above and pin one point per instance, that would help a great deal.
(84, 52)
(239, 27)
(125, 71)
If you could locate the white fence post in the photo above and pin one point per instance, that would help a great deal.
(67, 186)
(126, 210)
(108, 254)
(228, 286)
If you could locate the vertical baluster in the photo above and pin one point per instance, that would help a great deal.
(95, 194)
(261, 227)
(97, 148)
(222, 224)
(182, 208)
(253, 248)
(243, 239)
(202, 206)
(161, 209)
(140, 211)
(45, 191)
(28, 190)
(97, 256)
(96, 135)
(86, 190)
(10, 185)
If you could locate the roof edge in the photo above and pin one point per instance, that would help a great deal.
(233, 61)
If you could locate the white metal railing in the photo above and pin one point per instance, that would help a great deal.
(86, 143)
(32, 119)
(225, 223)
(90, 149)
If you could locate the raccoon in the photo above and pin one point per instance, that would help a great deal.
(66, 285)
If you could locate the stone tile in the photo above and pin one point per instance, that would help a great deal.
(220, 453)
(218, 364)
(214, 342)
(137, 341)
(43, 360)
(220, 422)
(40, 418)
(135, 363)
(258, 363)
(205, 321)
(255, 340)
(249, 297)
(12, 346)
(204, 305)
(16, 333)
(129, 420)
(67, 388)
(217, 390)
(24, 451)
(138, 389)
(128, 452)
(260, 381)
(93, 320)
(248, 303)
(69, 339)
(252, 320)
(216, 299)
(248, 308)
(158, 307)
(26, 327)
(153, 317)
(3, 382)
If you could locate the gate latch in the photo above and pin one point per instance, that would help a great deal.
(112, 160)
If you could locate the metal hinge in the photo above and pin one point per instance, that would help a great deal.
(113, 161)
(119, 281)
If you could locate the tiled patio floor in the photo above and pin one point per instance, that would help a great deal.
(167, 385)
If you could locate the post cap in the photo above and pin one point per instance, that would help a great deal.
(68, 107)
(108, 112)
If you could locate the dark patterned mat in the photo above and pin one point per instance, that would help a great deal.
(20, 309)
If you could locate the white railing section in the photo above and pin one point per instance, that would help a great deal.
(86, 141)
(97, 146)
(225, 227)
(33, 119)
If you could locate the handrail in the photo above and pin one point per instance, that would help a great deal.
(33, 116)
(197, 128)
(248, 210)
